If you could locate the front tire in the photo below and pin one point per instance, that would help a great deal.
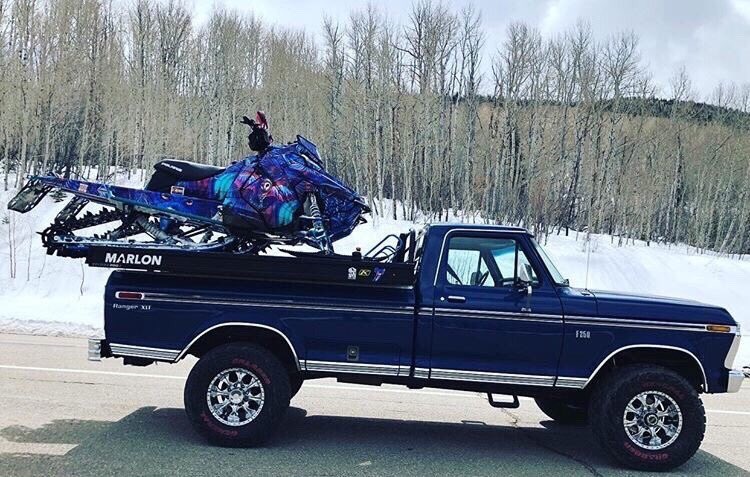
(648, 418)
(236, 395)
(567, 412)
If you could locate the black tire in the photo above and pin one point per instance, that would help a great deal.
(572, 412)
(274, 384)
(607, 415)
(295, 383)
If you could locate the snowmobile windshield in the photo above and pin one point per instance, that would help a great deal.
(556, 275)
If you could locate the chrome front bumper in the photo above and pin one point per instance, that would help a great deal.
(735, 380)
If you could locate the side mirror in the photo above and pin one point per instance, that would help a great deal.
(524, 287)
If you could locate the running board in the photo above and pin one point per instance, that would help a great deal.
(514, 404)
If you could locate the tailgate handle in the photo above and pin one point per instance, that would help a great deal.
(456, 299)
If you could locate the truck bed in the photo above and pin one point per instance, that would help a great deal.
(159, 316)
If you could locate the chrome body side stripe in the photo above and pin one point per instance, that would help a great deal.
(641, 325)
(425, 373)
(569, 319)
(164, 297)
(488, 377)
(633, 323)
(422, 373)
(144, 352)
(354, 368)
(570, 382)
(498, 315)
(453, 312)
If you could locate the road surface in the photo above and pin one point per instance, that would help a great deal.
(61, 415)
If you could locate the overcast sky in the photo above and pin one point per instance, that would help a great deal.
(710, 38)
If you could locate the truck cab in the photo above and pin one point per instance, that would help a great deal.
(496, 292)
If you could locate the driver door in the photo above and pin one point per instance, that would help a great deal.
(497, 318)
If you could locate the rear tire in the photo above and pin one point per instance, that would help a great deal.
(236, 395)
(647, 417)
(567, 412)
(295, 383)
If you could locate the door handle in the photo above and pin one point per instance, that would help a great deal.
(456, 299)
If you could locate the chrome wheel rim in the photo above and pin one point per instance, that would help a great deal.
(235, 397)
(652, 420)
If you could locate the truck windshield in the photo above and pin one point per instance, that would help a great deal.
(556, 275)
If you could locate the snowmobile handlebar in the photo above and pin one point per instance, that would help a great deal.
(250, 122)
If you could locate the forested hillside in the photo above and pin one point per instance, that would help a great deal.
(563, 132)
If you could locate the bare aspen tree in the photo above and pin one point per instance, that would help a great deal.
(472, 41)
(334, 77)
(565, 133)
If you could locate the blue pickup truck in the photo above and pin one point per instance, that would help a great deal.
(474, 308)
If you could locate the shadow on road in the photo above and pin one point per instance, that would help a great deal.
(161, 442)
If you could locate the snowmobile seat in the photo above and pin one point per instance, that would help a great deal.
(187, 171)
(171, 171)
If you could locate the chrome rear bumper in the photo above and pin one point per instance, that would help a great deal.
(98, 349)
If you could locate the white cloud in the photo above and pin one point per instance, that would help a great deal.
(743, 8)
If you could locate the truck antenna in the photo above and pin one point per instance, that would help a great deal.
(588, 258)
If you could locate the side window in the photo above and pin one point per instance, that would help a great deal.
(467, 267)
(486, 262)
(505, 259)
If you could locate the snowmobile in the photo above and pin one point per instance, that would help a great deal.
(281, 195)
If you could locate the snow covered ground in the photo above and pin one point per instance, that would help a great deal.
(52, 295)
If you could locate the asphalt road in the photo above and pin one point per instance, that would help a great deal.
(61, 415)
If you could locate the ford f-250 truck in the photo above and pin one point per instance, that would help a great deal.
(474, 308)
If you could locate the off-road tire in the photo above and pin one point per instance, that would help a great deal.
(295, 384)
(566, 412)
(275, 384)
(610, 399)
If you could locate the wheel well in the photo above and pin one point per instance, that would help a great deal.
(273, 341)
(677, 360)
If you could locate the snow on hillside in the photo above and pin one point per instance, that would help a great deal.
(676, 271)
(52, 295)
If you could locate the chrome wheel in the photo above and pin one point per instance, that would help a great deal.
(235, 396)
(652, 420)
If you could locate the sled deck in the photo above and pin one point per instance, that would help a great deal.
(344, 270)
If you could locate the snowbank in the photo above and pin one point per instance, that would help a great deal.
(52, 295)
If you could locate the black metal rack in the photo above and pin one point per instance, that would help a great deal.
(339, 269)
